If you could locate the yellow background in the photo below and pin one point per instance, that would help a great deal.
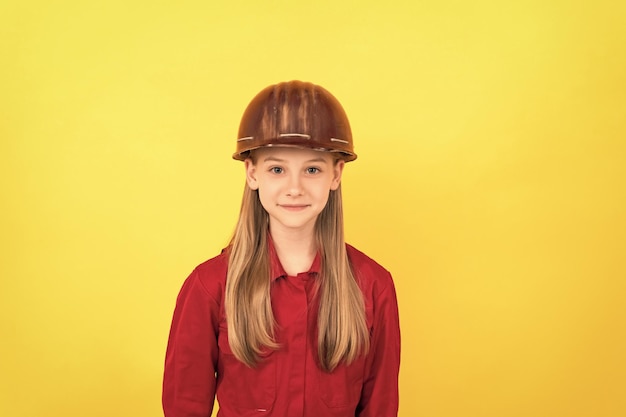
(490, 181)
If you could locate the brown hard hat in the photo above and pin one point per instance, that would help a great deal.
(295, 114)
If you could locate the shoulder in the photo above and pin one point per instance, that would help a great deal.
(210, 276)
(217, 265)
(370, 274)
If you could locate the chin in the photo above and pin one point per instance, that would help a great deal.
(294, 224)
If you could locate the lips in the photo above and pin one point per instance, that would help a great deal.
(293, 207)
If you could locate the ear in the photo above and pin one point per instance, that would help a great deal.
(337, 171)
(251, 178)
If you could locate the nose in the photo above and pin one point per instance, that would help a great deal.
(294, 186)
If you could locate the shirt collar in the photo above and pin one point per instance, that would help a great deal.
(276, 268)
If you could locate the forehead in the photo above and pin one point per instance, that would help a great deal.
(291, 154)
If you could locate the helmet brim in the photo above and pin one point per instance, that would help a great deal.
(346, 156)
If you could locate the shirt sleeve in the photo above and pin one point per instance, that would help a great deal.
(190, 361)
(379, 396)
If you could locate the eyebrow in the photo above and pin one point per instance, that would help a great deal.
(274, 159)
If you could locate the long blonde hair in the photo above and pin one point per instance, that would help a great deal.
(342, 328)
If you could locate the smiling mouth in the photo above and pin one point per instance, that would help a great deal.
(294, 207)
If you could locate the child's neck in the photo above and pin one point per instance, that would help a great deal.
(296, 250)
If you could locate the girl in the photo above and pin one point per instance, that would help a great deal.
(288, 321)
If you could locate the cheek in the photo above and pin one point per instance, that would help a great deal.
(323, 199)
(264, 197)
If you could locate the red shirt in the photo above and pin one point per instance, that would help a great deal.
(288, 382)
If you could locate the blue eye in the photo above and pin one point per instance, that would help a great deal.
(276, 170)
(312, 170)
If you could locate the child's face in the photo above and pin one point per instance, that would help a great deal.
(293, 184)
